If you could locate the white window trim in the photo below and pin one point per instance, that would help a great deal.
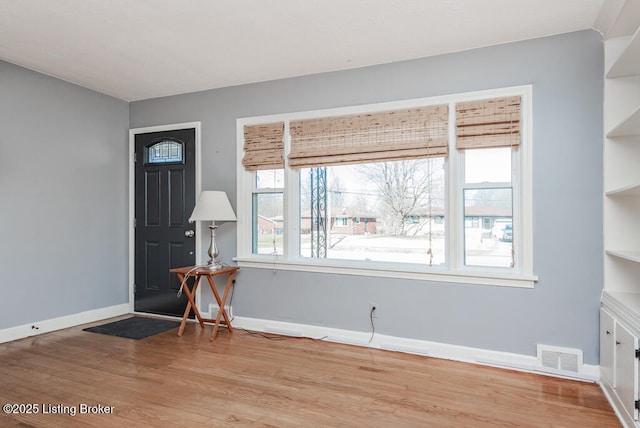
(454, 271)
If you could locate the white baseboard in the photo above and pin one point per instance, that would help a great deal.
(46, 326)
(498, 359)
(506, 360)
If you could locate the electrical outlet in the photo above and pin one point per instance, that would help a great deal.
(373, 310)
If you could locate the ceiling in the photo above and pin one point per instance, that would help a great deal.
(140, 49)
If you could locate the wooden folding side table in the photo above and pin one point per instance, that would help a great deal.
(198, 272)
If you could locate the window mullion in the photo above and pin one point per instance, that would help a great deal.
(518, 220)
(291, 202)
(454, 215)
(244, 213)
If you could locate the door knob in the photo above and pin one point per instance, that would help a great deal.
(189, 233)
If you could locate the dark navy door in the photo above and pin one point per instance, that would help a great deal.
(164, 199)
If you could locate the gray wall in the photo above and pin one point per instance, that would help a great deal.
(567, 76)
(63, 193)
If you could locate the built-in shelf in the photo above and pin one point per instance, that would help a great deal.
(628, 127)
(620, 21)
(630, 300)
(630, 190)
(625, 305)
(626, 19)
(628, 63)
(633, 256)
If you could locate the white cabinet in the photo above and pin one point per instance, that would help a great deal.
(607, 347)
(619, 366)
(626, 370)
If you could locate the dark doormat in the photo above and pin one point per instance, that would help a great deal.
(134, 327)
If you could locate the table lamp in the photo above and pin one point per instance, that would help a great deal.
(213, 206)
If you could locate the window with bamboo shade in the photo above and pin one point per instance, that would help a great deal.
(393, 189)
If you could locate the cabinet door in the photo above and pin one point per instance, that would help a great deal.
(607, 347)
(626, 372)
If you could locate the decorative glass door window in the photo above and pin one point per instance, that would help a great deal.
(166, 151)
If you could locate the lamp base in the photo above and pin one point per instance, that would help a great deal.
(214, 265)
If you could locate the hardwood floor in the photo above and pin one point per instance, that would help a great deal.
(245, 379)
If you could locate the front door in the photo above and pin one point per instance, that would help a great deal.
(164, 199)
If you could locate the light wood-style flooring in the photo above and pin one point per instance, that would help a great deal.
(248, 380)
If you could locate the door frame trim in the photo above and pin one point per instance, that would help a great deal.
(132, 182)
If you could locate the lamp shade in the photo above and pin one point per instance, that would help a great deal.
(212, 205)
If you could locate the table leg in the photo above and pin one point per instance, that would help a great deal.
(192, 299)
(227, 288)
(221, 302)
(187, 309)
(191, 302)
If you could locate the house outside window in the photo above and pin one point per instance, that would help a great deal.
(462, 215)
(412, 219)
(341, 222)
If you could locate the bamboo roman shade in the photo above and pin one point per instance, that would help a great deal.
(488, 123)
(373, 137)
(263, 146)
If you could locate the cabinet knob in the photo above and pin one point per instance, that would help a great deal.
(618, 342)
(608, 333)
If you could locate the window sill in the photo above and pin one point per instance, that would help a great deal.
(342, 267)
